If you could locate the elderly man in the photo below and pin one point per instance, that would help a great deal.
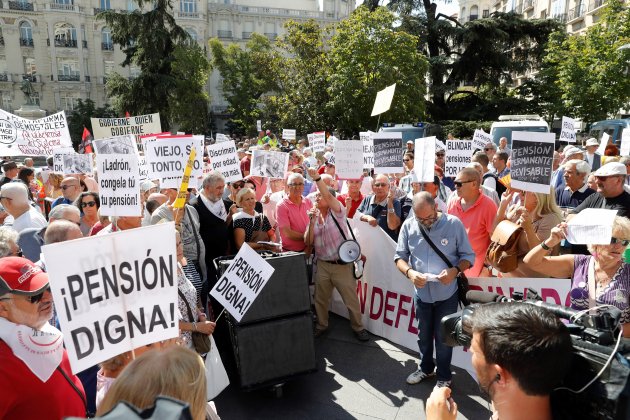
(610, 192)
(499, 161)
(61, 231)
(477, 212)
(28, 162)
(594, 159)
(435, 285)
(576, 173)
(35, 383)
(487, 191)
(503, 147)
(70, 191)
(14, 198)
(292, 215)
(31, 240)
(490, 149)
(569, 153)
(326, 231)
(381, 208)
(10, 170)
(121, 223)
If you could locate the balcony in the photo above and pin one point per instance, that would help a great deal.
(68, 77)
(528, 4)
(595, 4)
(26, 42)
(21, 5)
(66, 43)
(271, 36)
(189, 15)
(576, 13)
(247, 35)
(30, 77)
(4, 77)
(107, 46)
(224, 34)
(98, 10)
(562, 17)
(472, 17)
(61, 6)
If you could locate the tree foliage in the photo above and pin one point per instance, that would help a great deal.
(247, 75)
(80, 118)
(591, 71)
(367, 53)
(150, 40)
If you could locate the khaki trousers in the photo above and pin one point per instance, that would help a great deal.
(336, 276)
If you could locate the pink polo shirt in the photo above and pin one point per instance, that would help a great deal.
(478, 221)
(289, 214)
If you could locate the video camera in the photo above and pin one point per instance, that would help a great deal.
(596, 339)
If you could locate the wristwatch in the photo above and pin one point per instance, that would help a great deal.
(391, 210)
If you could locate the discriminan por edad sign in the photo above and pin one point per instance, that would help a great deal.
(288, 134)
(269, 164)
(138, 126)
(368, 149)
(242, 282)
(167, 157)
(568, 130)
(119, 186)
(349, 159)
(223, 158)
(58, 155)
(458, 153)
(19, 136)
(388, 157)
(117, 292)
(317, 141)
(532, 158)
(424, 158)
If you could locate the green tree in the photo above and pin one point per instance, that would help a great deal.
(591, 69)
(367, 54)
(80, 118)
(301, 101)
(149, 39)
(247, 75)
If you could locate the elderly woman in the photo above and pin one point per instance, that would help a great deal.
(602, 278)
(249, 225)
(8, 242)
(88, 204)
(537, 215)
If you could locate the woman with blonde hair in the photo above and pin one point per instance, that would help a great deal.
(249, 225)
(175, 372)
(537, 213)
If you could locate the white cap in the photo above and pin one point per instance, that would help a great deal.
(612, 169)
(592, 142)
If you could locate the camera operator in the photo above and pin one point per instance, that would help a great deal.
(520, 353)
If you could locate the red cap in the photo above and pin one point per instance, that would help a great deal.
(20, 276)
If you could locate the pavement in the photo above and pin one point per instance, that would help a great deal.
(354, 380)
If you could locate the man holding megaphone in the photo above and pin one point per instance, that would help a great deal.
(328, 235)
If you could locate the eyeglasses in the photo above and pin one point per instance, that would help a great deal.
(624, 242)
(459, 184)
(487, 149)
(426, 219)
(300, 184)
(6, 198)
(380, 184)
(88, 204)
(33, 298)
(65, 187)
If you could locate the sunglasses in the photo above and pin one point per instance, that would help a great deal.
(406, 160)
(33, 298)
(487, 149)
(238, 185)
(624, 242)
(440, 155)
(459, 184)
(88, 204)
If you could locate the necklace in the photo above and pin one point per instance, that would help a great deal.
(603, 277)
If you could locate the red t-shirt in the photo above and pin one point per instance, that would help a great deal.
(24, 396)
(246, 164)
(355, 204)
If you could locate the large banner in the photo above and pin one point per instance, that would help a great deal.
(167, 158)
(388, 153)
(386, 295)
(117, 292)
(458, 154)
(137, 126)
(223, 158)
(532, 158)
(19, 136)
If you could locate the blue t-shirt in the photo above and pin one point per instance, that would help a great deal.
(379, 212)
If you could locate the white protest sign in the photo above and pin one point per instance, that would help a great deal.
(269, 164)
(137, 126)
(458, 154)
(368, 149)
(117, 292)
(591, 227)
(424, 158)
(258, 125)
(480, 139)
(288, 134)
(58, 155)
(349, 159)
(242, 282)
(383, 100)
(223, 158)
(439, 145)
(331, 141)
(532, 157)
(220, 138)
(388, 154)
(568, 130)
(123, 145)
(20, 136)
(119, 188)
(624, 148)
(317, 142)
(603, 143)
(77, 164)
(167, 157)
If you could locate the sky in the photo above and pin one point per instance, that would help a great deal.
(442, 7)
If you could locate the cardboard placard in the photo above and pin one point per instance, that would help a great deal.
(223, 158)
(317, 141)
(383, 100)
(424, 158)
(269, 164)
(167, 157)
(458, 154)
(568, 130)
(58, 155)
(76, 163)
(349, 159)
(532, 158)
(388, 155)
(288, 134)
(119, 188)
(368, 149)
(137, 126)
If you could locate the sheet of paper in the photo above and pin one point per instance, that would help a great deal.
(591, 227)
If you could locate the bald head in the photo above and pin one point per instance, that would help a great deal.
(61, 231)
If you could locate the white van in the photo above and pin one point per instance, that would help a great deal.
(509, 123)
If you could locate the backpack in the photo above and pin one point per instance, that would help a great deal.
(500, 187)
(502, 253)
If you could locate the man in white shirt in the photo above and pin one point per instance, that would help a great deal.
(594, 160)
(14, 198)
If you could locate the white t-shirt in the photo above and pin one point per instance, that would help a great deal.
(30, 219)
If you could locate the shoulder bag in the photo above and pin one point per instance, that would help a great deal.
(462, 280)
(502, 252)
(201, 341)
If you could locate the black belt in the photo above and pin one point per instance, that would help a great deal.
(339, 262)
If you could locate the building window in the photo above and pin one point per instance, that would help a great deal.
(67, 70)
(69, 101)
(188, 6)
(7, 101)
(35, 98)
(65, 35)
(30, 69)
(474, 13)
(63, 2)
(106, 40)
(105, 4)
(193, 36)
(26, 33)
(486, 13)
